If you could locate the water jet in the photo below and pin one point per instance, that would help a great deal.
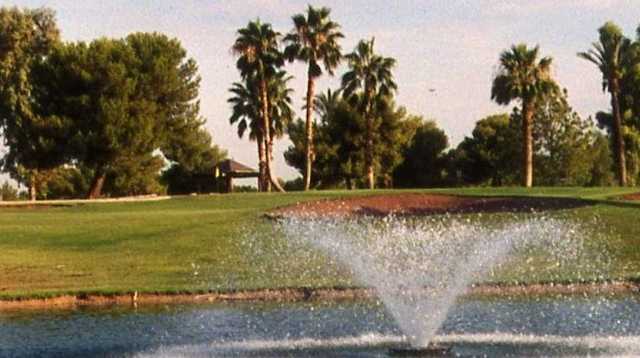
(419, 269)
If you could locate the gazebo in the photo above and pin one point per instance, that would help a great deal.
(230, 169)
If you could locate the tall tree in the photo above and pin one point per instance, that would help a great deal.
(314, 40)
(259, 58)
(608, 54)
(523, 77)
(94, 88)
(368, 80)
(34, 140)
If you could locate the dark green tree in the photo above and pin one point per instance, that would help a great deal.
(489, 156)
(391, 133)
(424, 163)
(126, 98)
(337, 143)
(601, 173)
(522, 76)
(313, 40)
(340, 138)
(194, 172)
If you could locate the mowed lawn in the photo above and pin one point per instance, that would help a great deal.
(210, 243)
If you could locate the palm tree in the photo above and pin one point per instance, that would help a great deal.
(259, 59)
(314, 40)
(280, 112)
(522, 76)
(246, 113)
(326, 103)
(370, 74)
(608, 55)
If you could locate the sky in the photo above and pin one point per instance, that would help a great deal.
(446, 51)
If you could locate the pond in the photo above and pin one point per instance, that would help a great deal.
(533, 326)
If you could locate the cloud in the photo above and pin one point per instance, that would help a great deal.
(537, 6)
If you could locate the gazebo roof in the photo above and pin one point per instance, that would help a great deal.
(230, 166)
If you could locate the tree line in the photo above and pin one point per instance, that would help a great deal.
(362, 138)
(105, 117)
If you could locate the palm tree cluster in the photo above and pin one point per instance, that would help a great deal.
(259, 62)
(262, 101)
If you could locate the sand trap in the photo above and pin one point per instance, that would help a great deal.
(424, 204)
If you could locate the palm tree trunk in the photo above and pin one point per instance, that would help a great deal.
(309, 127)
(96, 184)
(267, 175)
(527, 142)
(261, 165)
(270, 151)
(266, 132)
(618, 136)
(369, 155)
(369, 145)
(33, 192)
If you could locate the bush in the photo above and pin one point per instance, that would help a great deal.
(296, 184)
(244, 189)
(8, 192)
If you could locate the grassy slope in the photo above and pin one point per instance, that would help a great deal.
(197, 243)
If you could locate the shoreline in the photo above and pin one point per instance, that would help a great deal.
(303, 294)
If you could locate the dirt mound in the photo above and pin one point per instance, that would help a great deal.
(634, 196)
(424, 204)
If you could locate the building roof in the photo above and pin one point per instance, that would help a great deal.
(233, 167)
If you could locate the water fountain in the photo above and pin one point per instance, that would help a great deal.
(418, 268)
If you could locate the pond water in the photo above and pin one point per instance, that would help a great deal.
(547, 326)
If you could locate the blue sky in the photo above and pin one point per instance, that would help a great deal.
(450, 46)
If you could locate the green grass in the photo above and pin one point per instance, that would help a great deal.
(194, 244)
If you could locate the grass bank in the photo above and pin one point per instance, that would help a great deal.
(199, 244)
